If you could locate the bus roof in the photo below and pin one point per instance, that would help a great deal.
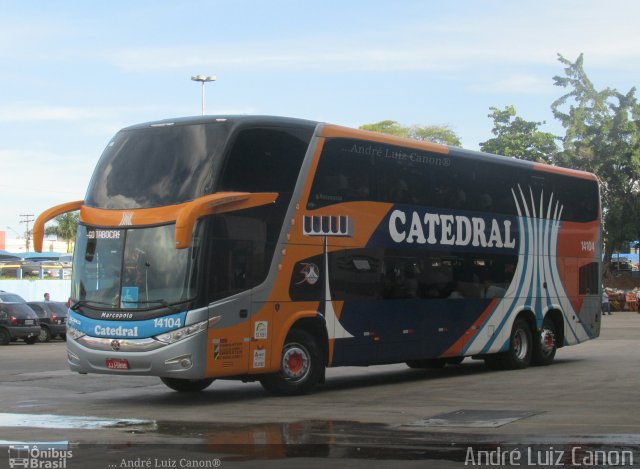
(330, 130)
(233, 119)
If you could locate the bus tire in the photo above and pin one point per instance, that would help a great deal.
(301, 366)
(520, 350)
(545, 344)
(187, 385)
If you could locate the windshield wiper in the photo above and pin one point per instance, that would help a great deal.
(150, 302)
(89, 303)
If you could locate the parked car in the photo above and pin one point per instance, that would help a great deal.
(53, 319)
(6, 297)
(18, 321)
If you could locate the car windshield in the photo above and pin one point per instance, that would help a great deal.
(135, 268)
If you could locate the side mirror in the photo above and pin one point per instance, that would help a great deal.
(44, 217)
(215, 203)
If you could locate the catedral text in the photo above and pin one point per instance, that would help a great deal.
(451, 230)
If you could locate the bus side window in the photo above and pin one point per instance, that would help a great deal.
(265, 160)
(400, 278)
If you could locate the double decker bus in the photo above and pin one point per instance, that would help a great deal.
(266, 248)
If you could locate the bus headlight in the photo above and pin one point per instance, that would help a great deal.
(74, 333)
(183, 333)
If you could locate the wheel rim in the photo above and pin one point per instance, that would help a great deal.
(547, 341)
(295, 363)
(520, 344)
(43, 335)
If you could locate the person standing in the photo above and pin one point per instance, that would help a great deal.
(47, 297)
(606, 306)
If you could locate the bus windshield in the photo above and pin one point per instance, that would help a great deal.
(131, 268)
(157, 166)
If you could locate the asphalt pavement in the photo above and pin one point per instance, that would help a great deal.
(582, 411)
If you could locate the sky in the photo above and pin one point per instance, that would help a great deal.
(73, 73)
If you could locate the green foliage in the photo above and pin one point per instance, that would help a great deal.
(603, 136)
(66, 228)
(387, 127)
(519, 138)
(441, 134)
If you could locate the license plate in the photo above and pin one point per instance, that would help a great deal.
(117, 363)
(28, 322)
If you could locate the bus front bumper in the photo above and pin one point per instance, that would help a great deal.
(185, 359)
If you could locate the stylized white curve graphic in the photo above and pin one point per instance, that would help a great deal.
(536, 284)
(334, 328)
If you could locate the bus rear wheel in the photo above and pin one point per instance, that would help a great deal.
(187, 385)
(301, 366)
(544, 345)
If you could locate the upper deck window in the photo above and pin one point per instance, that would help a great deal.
(172, 164)
(157, 166)
(265, 160)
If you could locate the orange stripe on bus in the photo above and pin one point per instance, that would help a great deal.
(456, 349)
(547, 168)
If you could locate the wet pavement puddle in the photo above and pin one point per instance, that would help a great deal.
(71, 422)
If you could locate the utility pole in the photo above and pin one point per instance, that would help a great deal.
(27, 218)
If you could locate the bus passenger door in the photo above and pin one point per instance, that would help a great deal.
(228, 282)
(229, 337)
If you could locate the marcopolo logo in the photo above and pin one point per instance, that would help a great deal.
(415, 227)
(40, 455)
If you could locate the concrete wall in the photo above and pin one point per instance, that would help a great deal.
(34, 290)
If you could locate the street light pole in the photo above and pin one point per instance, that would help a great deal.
(203, 79)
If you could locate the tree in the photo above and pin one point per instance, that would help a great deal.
(519, 138)
(65, 229)
(441, 134)
(387, 127)
(603, 136)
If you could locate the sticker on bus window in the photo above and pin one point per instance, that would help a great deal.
(260, 331)
(129, 297)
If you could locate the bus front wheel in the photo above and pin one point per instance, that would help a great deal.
(520, 351)
(520, 347)
(301, 366)
(187, 385)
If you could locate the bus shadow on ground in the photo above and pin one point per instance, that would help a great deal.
(253, 391)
